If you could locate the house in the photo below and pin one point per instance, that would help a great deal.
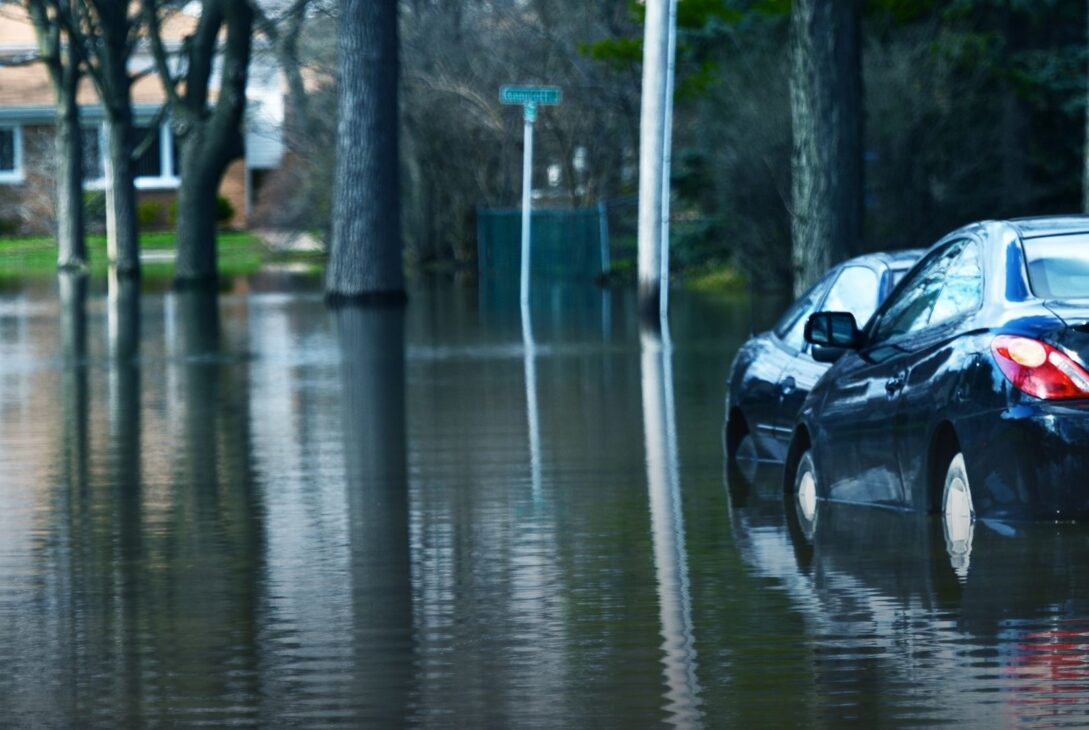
(26, 132)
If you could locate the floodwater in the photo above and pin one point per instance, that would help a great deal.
(247, 509)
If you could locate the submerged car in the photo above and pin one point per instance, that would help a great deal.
(967, 393)
(774, 371)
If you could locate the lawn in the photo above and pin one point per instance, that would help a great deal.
(240, 253)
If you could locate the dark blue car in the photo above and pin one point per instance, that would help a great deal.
(774, 371)
(967, 393)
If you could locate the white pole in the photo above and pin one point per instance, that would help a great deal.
(667, 158)
(530, 115)
(651, 138)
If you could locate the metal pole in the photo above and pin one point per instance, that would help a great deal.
(667, 159)
(603, 236)
(651, 137)
(530, 116)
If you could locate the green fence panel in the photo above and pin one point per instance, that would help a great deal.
(565, 244)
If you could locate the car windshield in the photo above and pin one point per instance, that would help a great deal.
(1058, 266)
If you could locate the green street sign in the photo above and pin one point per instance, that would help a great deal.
(540, 95)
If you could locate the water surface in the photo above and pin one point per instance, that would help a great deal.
(247, 509)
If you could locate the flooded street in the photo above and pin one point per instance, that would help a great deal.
(252, 510)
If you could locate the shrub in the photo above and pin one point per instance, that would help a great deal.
(151, 214)
(224, 210)
(94, 208)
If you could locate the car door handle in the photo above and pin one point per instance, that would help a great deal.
(787, 386)
(892, 385)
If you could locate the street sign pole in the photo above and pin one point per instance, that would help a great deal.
(530, 116)
(667, 163)
(529, 98)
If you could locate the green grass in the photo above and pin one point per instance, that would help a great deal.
(718, 279)
(240, 253)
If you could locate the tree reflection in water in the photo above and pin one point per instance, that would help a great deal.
(371, 343)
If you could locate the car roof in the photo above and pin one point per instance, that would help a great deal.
(1041, 226)
(891, 259)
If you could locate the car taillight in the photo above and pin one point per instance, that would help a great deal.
(1039, 369)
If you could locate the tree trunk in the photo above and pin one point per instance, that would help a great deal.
(71, 245)
(1085, 174)
(122, 242)
(210, 142)
(365, 260)
(196, 235)
(826, 106)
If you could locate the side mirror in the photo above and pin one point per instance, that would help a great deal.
(832, 334)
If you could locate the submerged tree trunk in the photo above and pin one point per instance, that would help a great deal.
(53, 26)
(68, 140)
(365, 260)
(196, 242)
(122, 237)
(107, 57)
(826, 106)
(210, 138)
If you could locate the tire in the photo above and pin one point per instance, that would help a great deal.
(806, 505)
(958, 514)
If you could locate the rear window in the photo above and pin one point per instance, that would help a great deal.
(1058, 266)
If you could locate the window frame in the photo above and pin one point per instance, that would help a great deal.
(168, 178)
(963, 241)
(17, 174)
(820, 290)
(878, 278)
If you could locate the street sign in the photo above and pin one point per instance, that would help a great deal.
(529, 97)
(540, 95)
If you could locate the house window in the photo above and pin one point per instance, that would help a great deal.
(150, 161)
(155, 168)
(11, 154)
(94, 161)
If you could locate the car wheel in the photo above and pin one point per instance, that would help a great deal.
(958, 514)
(805, 495)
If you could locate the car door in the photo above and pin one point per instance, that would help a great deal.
(856, 289)
(932, 376)
(858, 421)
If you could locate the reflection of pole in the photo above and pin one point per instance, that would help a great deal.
(530, 115)
(529, 347)
(667, 527)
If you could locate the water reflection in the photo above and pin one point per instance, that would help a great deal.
(883, 588)
(667, 526)
(372, 371)
(260, 512)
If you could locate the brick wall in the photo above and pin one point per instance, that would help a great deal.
(27, 208)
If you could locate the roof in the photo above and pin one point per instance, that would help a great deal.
(27, 87)
(1040, 226)
(891, 259)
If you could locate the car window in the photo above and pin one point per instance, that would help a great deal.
(1058, 266)
(791, 326)
(855, 291)
(963, 288)
(910, 307)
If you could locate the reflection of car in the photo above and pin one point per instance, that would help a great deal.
(773, 371)
(886, 600)
(967, 392)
